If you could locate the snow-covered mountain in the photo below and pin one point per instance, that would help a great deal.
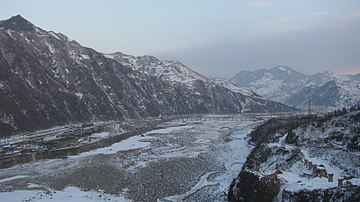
(285, 85)
(173, 71)
(48, 79)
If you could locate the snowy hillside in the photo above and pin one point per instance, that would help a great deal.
(285, 85)
(173, 71)
(306, 159)
(278, 83)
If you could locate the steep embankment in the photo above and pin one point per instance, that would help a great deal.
(302, 159)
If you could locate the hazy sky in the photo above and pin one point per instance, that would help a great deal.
(214, 37)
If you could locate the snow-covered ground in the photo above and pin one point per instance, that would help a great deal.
(297, 178)
(184, 160)
(128, 144)
(326, 145)
(68, 194)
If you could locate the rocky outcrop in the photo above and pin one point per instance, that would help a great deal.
(350, 193)
(302, 159)
(253, 185)
(261, 188)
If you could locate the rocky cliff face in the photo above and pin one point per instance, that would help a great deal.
(48, 79)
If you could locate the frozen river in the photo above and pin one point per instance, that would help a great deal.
(182, 161)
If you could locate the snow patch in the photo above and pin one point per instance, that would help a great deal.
(101, 135)
(169, 129)
(85, 57)
(12, 178)
(51, 49)
(30, 84)
(134, 142)
(234, 88)
(79, 95)
(68, 194)
(202, 183)
(111, 56)
(296, 183)
(32, 185)
(54, 35)
(10, 34)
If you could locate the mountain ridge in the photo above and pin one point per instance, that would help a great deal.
(290, 87)
(48, 79)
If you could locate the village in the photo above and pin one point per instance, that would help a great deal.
(61, 141)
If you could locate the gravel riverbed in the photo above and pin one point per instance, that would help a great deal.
(183, 161)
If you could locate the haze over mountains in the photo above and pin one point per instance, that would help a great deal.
(48, 79)
(283, 84)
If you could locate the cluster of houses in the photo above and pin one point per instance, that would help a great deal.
(320, 171)
(67, 136)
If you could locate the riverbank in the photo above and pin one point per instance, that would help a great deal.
(190, 160)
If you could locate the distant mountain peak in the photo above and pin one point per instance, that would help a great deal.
(286, 85)
(284, 69)
(17, 23)
(329, 73)
(17, 18)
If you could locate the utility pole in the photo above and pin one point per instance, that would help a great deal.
(309, 100)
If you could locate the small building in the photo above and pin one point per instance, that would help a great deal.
(9, 150)
(3, 145)
(322, 172)
(87, 124)
(63, 142)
